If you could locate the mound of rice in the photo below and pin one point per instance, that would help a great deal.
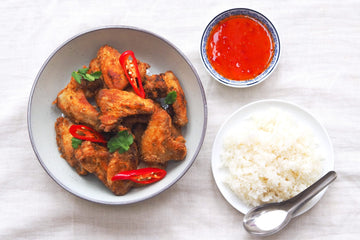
(270, 158)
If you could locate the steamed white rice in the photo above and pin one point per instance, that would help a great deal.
(270, 158)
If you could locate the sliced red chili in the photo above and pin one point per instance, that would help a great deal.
(86, 133)
(142, 175)
(132, 73)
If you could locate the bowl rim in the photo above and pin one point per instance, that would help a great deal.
(30, 103)
(264, 20)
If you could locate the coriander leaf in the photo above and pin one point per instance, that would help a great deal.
(76, 76)
(75, 142)
(171, 97)
(89, 77)
(82, 74)
(83, 71)
(96, 74)
(120, 142)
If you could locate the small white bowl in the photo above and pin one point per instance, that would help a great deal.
(245, 12)
(56, 73)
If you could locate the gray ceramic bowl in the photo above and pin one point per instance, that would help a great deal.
(54, 76)
(234, 12)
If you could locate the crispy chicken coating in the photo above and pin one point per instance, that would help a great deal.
(94, 65)
(116, 104)
(63, 139)
(96, 159)
(119, 163)
(74, 104)
(113, 74)
(160, 143)
(155, 86)
(179, 106)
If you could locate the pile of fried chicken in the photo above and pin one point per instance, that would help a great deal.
(110, 105)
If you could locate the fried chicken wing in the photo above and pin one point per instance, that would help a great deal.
(155, 86)
(179, 106)
(96, 159)
(74, 104)
(119, 163)
(116, 104)
(113, 74)
(110, 105)
(158, 143)
(63, 139)
(94, 65)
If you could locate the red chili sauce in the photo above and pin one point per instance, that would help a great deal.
(240, 48)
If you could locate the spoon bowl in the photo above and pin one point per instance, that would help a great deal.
(267, 221)
(270, 218)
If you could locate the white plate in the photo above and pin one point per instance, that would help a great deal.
(300, 115)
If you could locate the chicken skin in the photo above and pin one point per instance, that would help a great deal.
(116, 104)
(119, 163)
(96, 159)
(63, 139)
(74, 104)
(179, 106)
(113, 74)
(159, 144)
(155, 86)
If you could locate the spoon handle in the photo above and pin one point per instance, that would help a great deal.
(312, 191)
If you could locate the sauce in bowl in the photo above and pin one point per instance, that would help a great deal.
(240, 48)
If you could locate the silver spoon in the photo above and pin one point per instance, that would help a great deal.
(272, 217)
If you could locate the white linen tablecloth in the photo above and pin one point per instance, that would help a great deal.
(318, 69)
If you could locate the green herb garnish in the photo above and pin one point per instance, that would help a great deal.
(82, 74)
(171, 97)
(75, 142)
(121, 142)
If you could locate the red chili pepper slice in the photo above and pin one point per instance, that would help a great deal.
(132, 73)
(86, 133)
(142, 175)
